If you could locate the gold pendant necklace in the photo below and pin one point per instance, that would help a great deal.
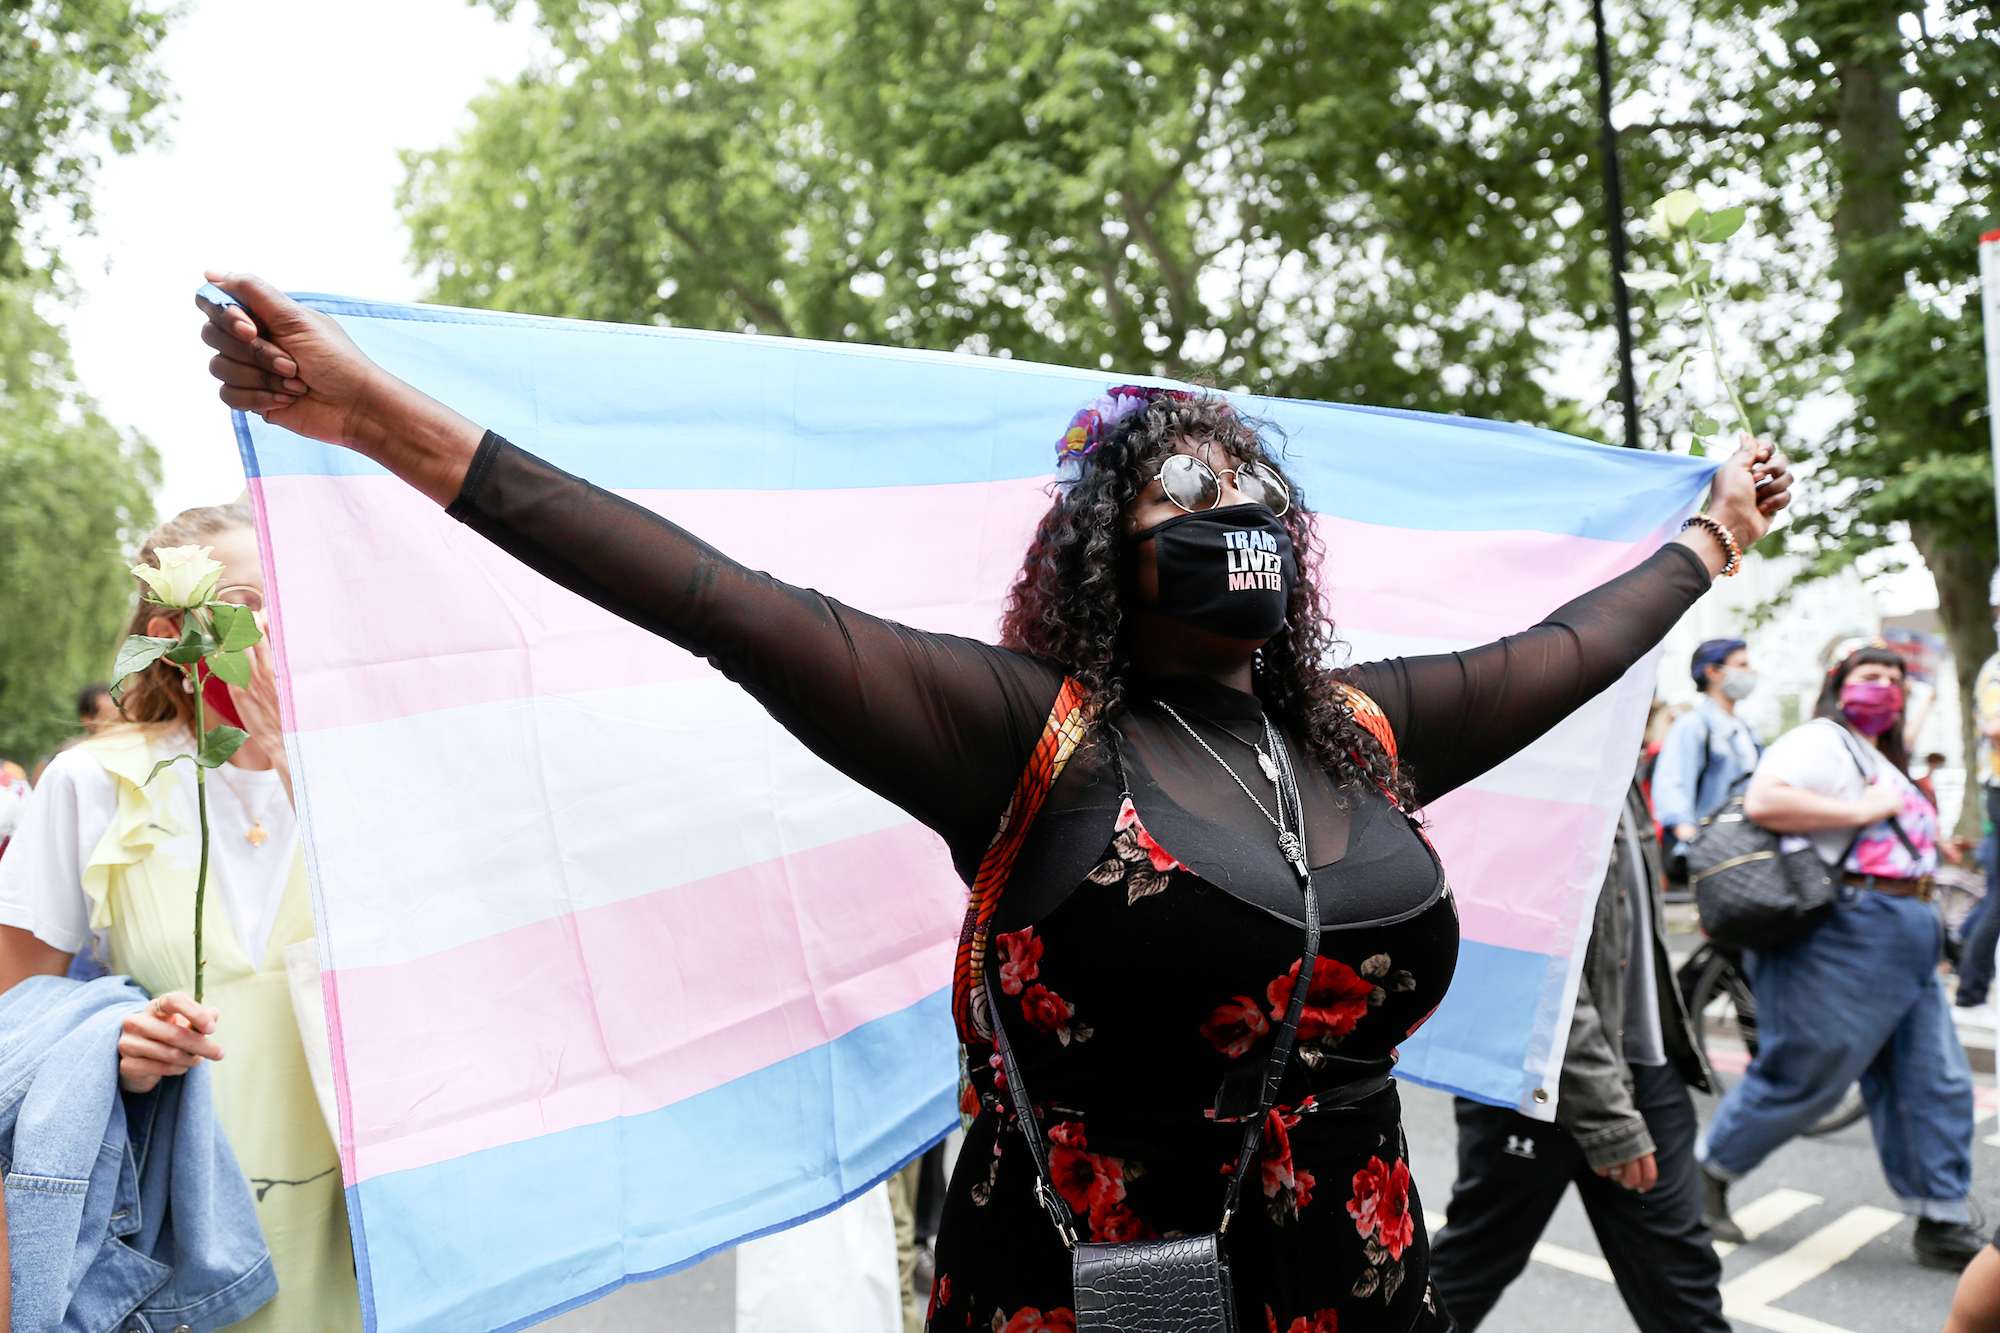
(256, 836)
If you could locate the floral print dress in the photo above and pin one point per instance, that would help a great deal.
(1130, 1005)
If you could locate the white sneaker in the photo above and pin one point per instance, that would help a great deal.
(1976, 1015)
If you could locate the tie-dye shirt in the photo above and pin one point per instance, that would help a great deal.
(1824, 757)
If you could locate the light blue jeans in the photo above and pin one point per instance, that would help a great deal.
(1859, 998)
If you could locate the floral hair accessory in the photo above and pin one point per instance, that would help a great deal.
(1094, 422)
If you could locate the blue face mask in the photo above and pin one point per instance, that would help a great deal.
(1228, 571)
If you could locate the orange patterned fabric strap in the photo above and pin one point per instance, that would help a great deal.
(1370, 715)
(1068, 720)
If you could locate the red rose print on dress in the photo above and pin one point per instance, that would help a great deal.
(1381, 1212)
(1235, 1026)
(1326, 1321)
(1339, 998)
(1287, 1189)
(940, 1296)
(1048, 1012)
(1030, 1320)
(1094, 1185)
(1020, 960)
(1140, 864)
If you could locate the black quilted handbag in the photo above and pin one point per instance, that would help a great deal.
(1750, 894)
(1178, 1284)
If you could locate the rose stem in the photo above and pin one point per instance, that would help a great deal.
(1715, 348)
(201, 805)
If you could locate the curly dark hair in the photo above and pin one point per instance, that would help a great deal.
(1067, 605)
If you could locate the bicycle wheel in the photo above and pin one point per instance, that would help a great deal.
(1719, 997)
(1724, 1011)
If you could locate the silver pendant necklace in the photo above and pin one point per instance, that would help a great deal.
(1290, 844)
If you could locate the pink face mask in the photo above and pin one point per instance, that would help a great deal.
(1871, 705)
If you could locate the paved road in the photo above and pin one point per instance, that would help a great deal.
(1834, 1256)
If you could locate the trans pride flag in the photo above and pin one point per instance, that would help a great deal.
(617, 974)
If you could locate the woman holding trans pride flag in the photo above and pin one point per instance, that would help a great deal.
(1219, 915)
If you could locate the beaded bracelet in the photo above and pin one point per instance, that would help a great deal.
(1722, 535)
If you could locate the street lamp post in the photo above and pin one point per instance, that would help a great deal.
(1614, 227)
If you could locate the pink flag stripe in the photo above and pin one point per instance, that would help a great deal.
(635, 1005)
(1532, 860)
(601, 1024)
(346, 547)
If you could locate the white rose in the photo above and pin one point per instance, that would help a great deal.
(1672, 213)
(184, 577)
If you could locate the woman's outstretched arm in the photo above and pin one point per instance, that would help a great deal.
(939, 725)
(1456, 715)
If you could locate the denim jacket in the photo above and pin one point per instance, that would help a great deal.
(1698, 765)
(124, 1211)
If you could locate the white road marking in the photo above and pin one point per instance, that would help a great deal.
(1767, 1212)
(1745, 1297)
(1573, 1261)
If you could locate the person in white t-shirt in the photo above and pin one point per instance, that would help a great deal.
(107, 853)
(1859, 997)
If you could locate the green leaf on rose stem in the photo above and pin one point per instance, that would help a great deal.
(1650, 280)
(1696, 221)
(1699, 275)
(137, 653)
(1662, 381)
(235, 628)
(164, 763)
(1705, 425)
(1721, 226)
(1696, 449)
(231, 667)
(218, 745)
(191, 647)
(1669, 302)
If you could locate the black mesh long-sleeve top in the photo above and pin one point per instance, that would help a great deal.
(1149, 937)
(941, 725)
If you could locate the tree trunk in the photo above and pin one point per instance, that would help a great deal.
(1964, 578)
(1870, 156)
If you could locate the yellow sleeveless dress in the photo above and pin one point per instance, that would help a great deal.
(143, 896)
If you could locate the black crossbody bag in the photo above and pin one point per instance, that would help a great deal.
(1750, 894)
(1178, 1284)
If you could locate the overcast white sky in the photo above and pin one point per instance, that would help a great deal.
(282, 162)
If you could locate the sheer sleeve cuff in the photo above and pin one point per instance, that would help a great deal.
(467, 502)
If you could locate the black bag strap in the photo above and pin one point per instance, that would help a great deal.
(1046, 1193)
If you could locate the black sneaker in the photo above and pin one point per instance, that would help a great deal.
(1946, 1245)
(1715, 1209)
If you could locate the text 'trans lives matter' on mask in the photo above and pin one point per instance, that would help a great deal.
(1229, 571)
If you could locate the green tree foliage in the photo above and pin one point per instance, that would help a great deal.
(74, 492)
(74, 75)
(1334, 201)
(1865, 131)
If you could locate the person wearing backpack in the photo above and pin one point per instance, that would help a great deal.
(1858, 997)
(1708, 750)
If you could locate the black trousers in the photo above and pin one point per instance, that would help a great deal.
(1512, 1172)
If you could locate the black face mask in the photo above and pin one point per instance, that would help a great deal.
(1228, 571)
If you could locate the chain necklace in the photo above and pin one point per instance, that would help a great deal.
(1291, 844)
(257, 835)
